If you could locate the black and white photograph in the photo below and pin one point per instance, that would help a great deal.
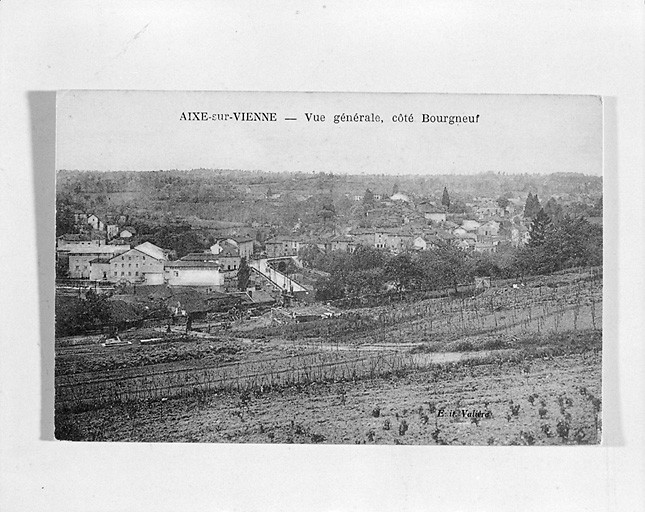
(337, 268)
(322, 256)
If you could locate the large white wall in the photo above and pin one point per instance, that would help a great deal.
(194, 277)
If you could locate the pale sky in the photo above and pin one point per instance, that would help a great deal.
(141, 131)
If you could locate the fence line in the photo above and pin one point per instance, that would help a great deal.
(170, 371)
(233, 379)
(255, 375)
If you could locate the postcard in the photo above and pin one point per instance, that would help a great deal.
(339, 268)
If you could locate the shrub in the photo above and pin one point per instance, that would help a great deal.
(580, 436)
(463, 346)
(66, 429)
(562, 428)
(317, 438)
(495, 344)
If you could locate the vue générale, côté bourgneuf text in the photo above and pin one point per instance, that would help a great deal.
(337, 118)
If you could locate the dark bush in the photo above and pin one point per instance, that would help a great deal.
(463, 346)
(66, 429)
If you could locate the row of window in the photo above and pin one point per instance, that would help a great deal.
(130, 258)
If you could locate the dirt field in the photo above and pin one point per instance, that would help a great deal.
(544, 401)
(513, 365)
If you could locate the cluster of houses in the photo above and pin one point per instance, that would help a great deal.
(104, 252)
(116, 228)
(470, 235)
(400, 226)
(92, 258)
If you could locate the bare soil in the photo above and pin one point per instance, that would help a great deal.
(503, 403)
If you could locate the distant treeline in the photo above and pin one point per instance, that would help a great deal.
(488, 184)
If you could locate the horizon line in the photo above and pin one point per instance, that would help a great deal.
(213, 169)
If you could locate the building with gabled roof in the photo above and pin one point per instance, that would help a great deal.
(79, 259)
(95, 222)
(229, 259)
(152, 250)
(490, 228)
(245, 245)
(143, 262)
